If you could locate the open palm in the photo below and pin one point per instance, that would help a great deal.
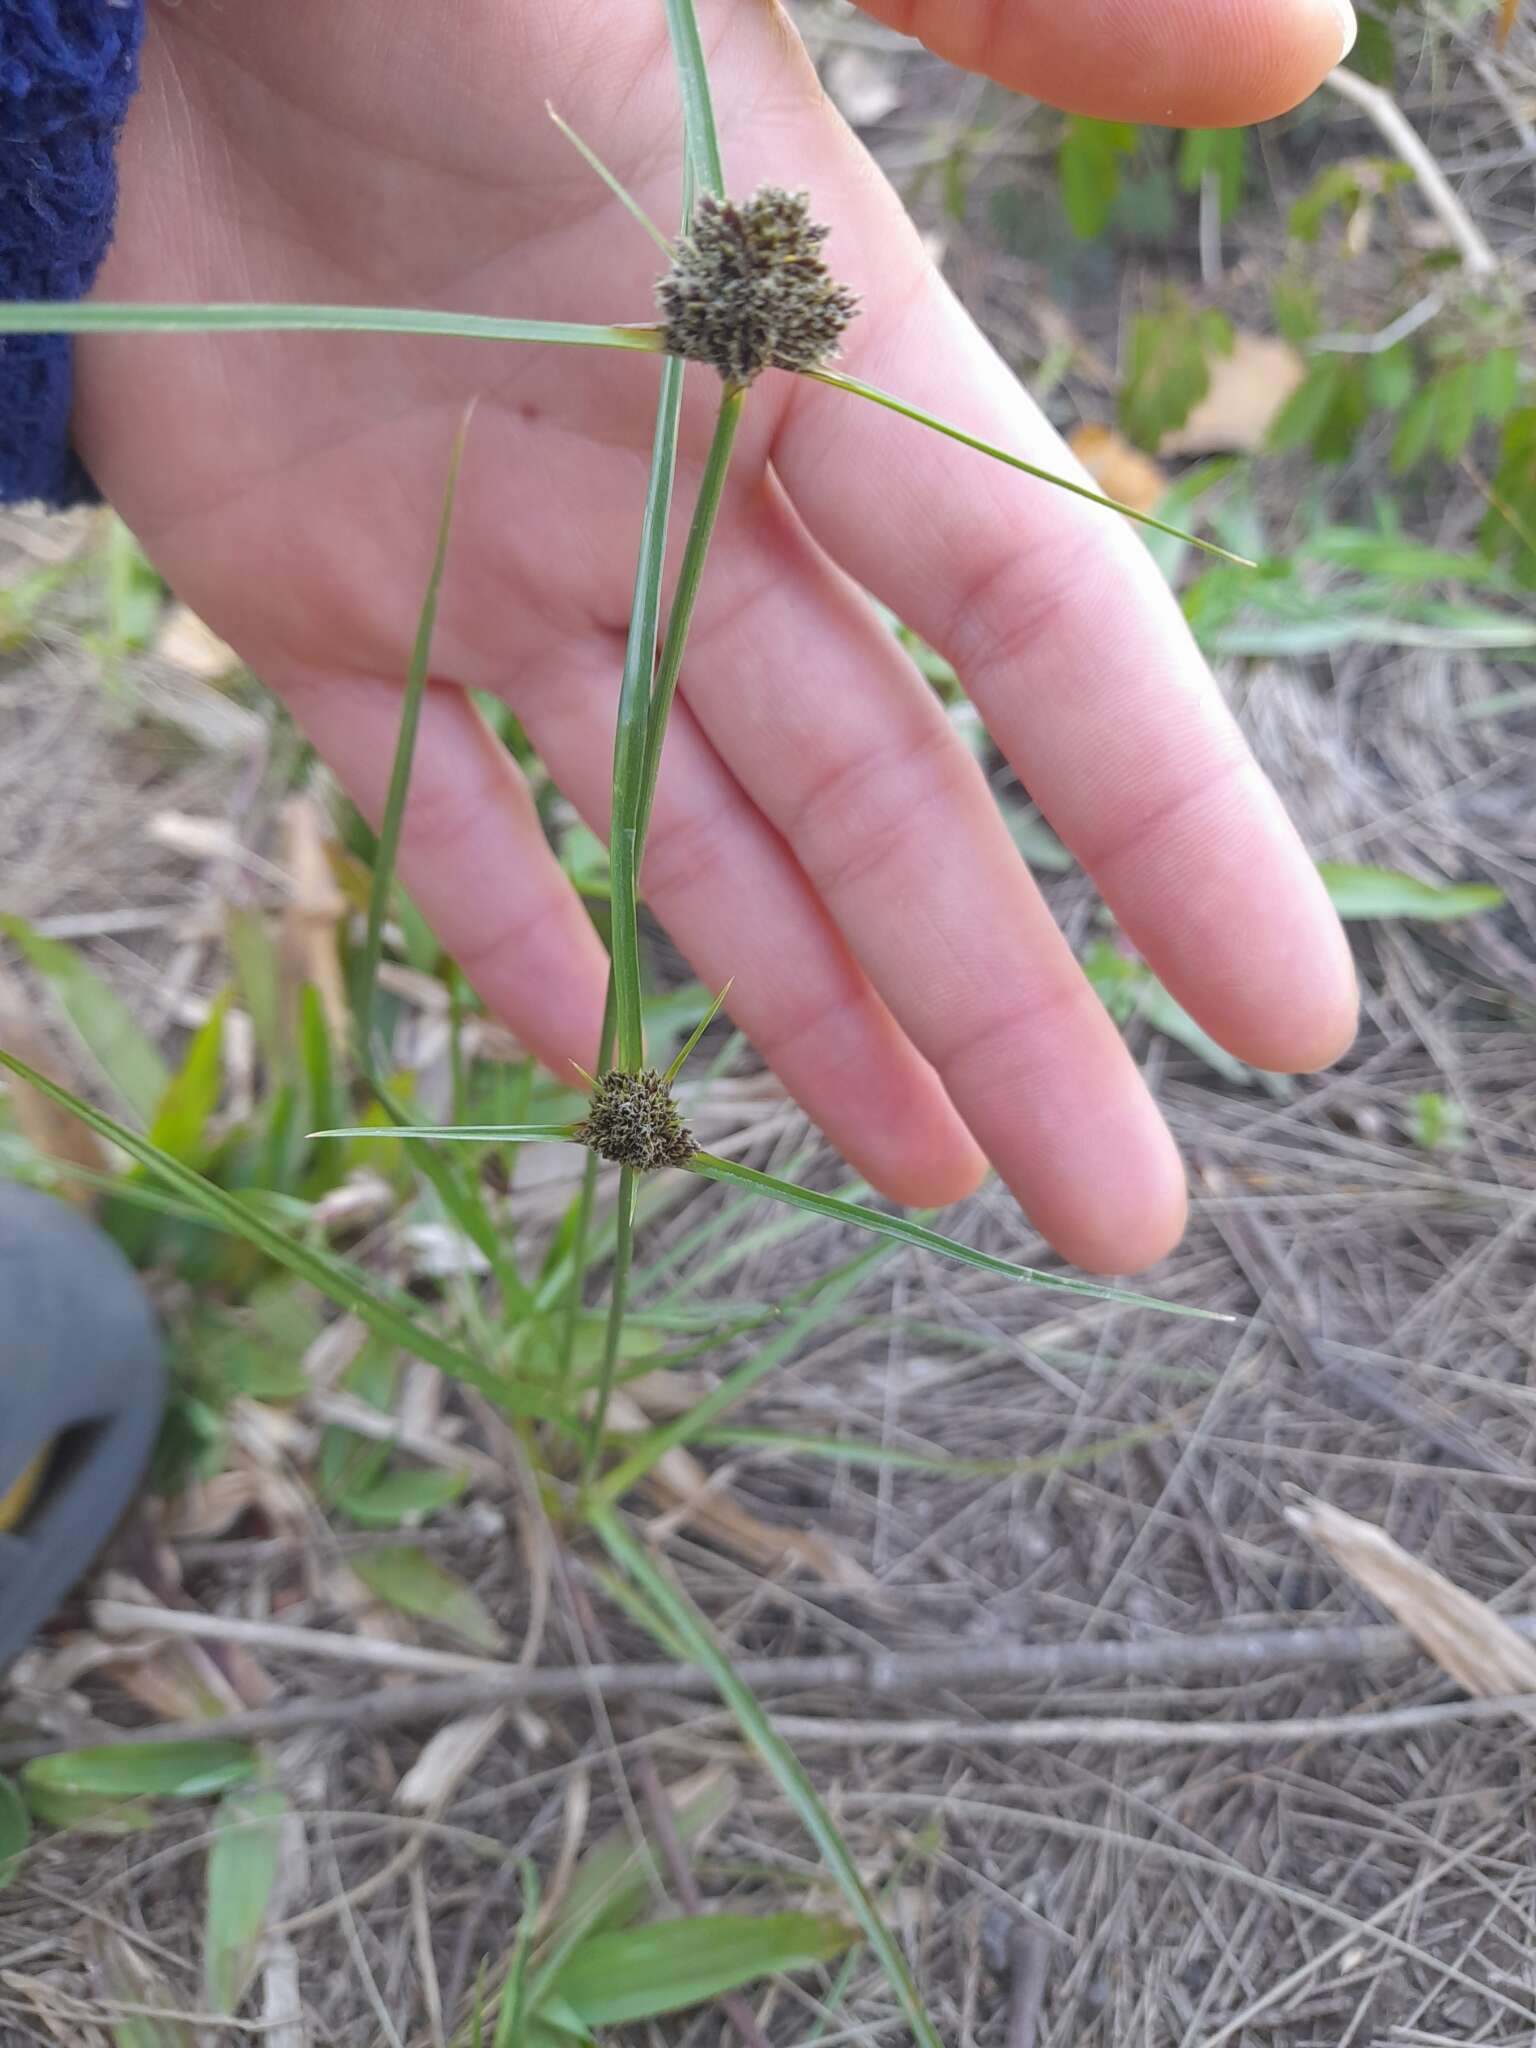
(820, 834)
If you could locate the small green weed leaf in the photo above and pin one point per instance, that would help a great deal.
(242, 1869)
(690, 1627)
(1439, 1123)
(1038, 843)
(111, 1791)
(258, 1349)
(1509, 526)
(400, 1496)
(416, 1584)
(1088, 166)
(120, 1048)
(15, 1828)
(187, 1106)
(835, 1210)
(1391, 376)
(1498, 384)
(619, 1877)
(1168, 370)
(1381, 892)
(1456, 410)
(1415, 434)
(258, 980)
(1221, 153)
(642, 1973)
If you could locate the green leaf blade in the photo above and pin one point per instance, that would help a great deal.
(641, 1973)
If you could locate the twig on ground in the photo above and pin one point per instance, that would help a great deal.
(1388, 117)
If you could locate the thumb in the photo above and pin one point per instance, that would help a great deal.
(1182, 63)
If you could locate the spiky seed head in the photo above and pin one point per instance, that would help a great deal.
(633, 1120)
(749, 290)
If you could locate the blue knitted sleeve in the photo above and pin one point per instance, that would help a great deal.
(67, 72)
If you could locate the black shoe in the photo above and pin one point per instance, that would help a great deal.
(82, 1390)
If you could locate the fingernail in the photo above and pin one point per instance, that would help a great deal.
(1349, 28)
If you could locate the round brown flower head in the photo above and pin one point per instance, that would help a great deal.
(749, 291)
(632, 1120)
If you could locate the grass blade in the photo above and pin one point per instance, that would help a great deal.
(838, 1211)
(699, 132)
(696, 1034)
(336, 1280)
(621, 192)
(692, 1630)
(405, 753)
(106, 316)
(736, 1385)
(119, 1047)
(631, 734)
(876, 396)
(464, 1134)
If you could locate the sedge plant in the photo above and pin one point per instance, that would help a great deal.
(746, 288)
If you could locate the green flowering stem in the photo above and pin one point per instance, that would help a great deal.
(631, 735)
(107, 316)
(679, 623)
(876, 396)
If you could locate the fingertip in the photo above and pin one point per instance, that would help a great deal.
(1128, 1218)
(934, 1178)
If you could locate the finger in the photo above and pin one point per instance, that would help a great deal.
(830, 730)
(738, 906)
(1194, 64)
(1076, 654)
(473, 855)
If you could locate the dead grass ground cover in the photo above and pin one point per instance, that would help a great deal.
(1307, 1884)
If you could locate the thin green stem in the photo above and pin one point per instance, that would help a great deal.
(630, 738)
(613, 1331)
(621, 192)
(105, 316)
(876, 396)
(700, 533)
(700, 135)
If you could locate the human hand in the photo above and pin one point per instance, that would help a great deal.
(820, 834)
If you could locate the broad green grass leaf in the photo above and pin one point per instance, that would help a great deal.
(642, 1973)
(121, 1049)
(1088, 168)
(15, 1828)
(417, 1584)
(690, 1627)
(1381, 892)
(335, 1279)
(510, 2028)
(835, 1210)
(242, 1869)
